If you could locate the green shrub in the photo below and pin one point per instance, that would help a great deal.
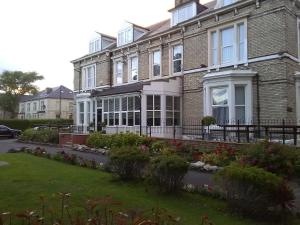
(254, 191)
(26, 124)
(98, 140)
(208, 120)
(128, 162)
(276, 158)
(167, 172)
(43, 136)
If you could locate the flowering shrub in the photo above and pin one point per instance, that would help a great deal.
(254, 191)
(275, 158)
(222, 155)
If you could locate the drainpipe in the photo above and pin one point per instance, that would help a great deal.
(258, 105)
(140, 95)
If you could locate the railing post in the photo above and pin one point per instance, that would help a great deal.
(239, 138)
(295, 135)
(283, 131)
(224, 132)
(202, 129)
(174, 132)
(247, 133)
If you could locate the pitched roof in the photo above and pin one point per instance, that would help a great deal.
(165, 25)
(60, 92)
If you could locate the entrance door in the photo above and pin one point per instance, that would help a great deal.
(99, 119)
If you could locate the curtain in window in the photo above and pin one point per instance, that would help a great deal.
(240, 104)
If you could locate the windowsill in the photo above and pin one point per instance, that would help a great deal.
(236, 64)
(177, 73)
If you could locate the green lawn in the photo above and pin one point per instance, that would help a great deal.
(27, 177)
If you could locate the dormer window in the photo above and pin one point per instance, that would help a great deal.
(227, 2)
(222, 3)
(125, 36)
(183, 13)
(129, 33)
(100, 42)
(95, 45)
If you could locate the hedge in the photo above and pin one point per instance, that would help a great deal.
(26, 124)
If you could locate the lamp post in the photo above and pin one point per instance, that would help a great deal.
(60, 91)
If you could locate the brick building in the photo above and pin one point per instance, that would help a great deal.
(51, 103)
(236, 60)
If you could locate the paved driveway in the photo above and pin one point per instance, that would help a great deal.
(192, 177)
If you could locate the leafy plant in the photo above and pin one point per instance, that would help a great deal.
(208, 120)
(167, 172)
(128, 162)
(275, 158)
(43, 136)
(254, 191)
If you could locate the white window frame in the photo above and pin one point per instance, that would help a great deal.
(130, 69)
(229, 79)
(186, 12)
(153, 110)
(125, 36)
(220, 3)
(236, 58)
(86, 85)
(118, 114)
(212, 106)
(116, 62)
(298, 39)
(173, 110)
(152, 64)
(28, 106)
(172, 60)
(95, 45)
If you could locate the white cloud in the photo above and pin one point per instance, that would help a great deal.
(45, 35)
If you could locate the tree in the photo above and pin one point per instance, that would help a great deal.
(14, 84)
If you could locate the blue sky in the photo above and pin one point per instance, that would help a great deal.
(45, 35)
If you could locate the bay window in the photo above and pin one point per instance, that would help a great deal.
(153, 110)
(156, 59)
(298, 31)
(81, 112)
(240, 104)
(118, 72)
(172, 111)
(122, 111)
(220, 109)
(177, 59)
(228, 45)
(133, 70)
(228, 96)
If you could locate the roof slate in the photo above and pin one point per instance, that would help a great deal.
(117, 90)
(66, 93)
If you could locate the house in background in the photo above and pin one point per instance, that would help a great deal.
(52, 103)
(235, 60)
